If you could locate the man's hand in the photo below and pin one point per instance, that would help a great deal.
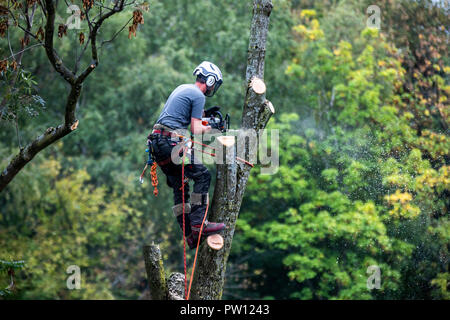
(197, 127)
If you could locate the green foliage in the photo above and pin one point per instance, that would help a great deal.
(20, 99)
(353, 188)
(72, 222)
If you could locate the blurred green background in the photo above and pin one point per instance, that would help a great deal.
(364, 153)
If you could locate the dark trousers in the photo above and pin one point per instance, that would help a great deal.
(162, 149)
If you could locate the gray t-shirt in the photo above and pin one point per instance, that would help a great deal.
(186, 101)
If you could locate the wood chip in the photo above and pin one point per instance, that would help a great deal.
(74, 126)
(271, 107)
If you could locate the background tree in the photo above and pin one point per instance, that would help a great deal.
(95, 13)
(356, 170)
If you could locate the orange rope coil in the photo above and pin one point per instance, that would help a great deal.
(154, 178)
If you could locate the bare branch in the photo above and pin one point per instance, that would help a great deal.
(19, 26)
(23, 50)
(9, 41)
(93, 36)
(43, 8)
(18, 59)
(56, 61)
(116, 34)
(50, 136)
(86, 13)
(97, 4)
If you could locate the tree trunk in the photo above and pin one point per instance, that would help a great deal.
(160, 289)
(232, 177)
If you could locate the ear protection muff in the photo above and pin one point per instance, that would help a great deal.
(210, 81)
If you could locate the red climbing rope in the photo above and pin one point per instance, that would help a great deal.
(184, 181)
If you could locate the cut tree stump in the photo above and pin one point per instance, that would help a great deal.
(215, 241)
(258, 85)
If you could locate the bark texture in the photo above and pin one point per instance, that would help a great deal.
(160, 288)
(155, 272)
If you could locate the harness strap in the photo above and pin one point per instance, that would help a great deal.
(165, 133)
(164, 162)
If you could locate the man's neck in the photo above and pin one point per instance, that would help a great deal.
(201, 86)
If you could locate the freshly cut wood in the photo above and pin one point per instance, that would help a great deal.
(231, 178)
(215, 241)
(75, 125)
(270, 106)
(27, 153)
(227, 141)
(258, 85)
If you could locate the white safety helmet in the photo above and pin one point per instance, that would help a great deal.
(212, 76)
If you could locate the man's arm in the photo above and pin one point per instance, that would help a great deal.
(197, 127)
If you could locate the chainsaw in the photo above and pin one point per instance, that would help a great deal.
(214, 118)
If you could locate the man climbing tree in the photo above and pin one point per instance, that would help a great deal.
(183, 107)
(207, 279)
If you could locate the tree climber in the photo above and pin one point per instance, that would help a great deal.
(183, 107)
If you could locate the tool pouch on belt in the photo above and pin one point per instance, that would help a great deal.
(162, 149)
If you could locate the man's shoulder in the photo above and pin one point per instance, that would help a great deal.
(190, 90)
